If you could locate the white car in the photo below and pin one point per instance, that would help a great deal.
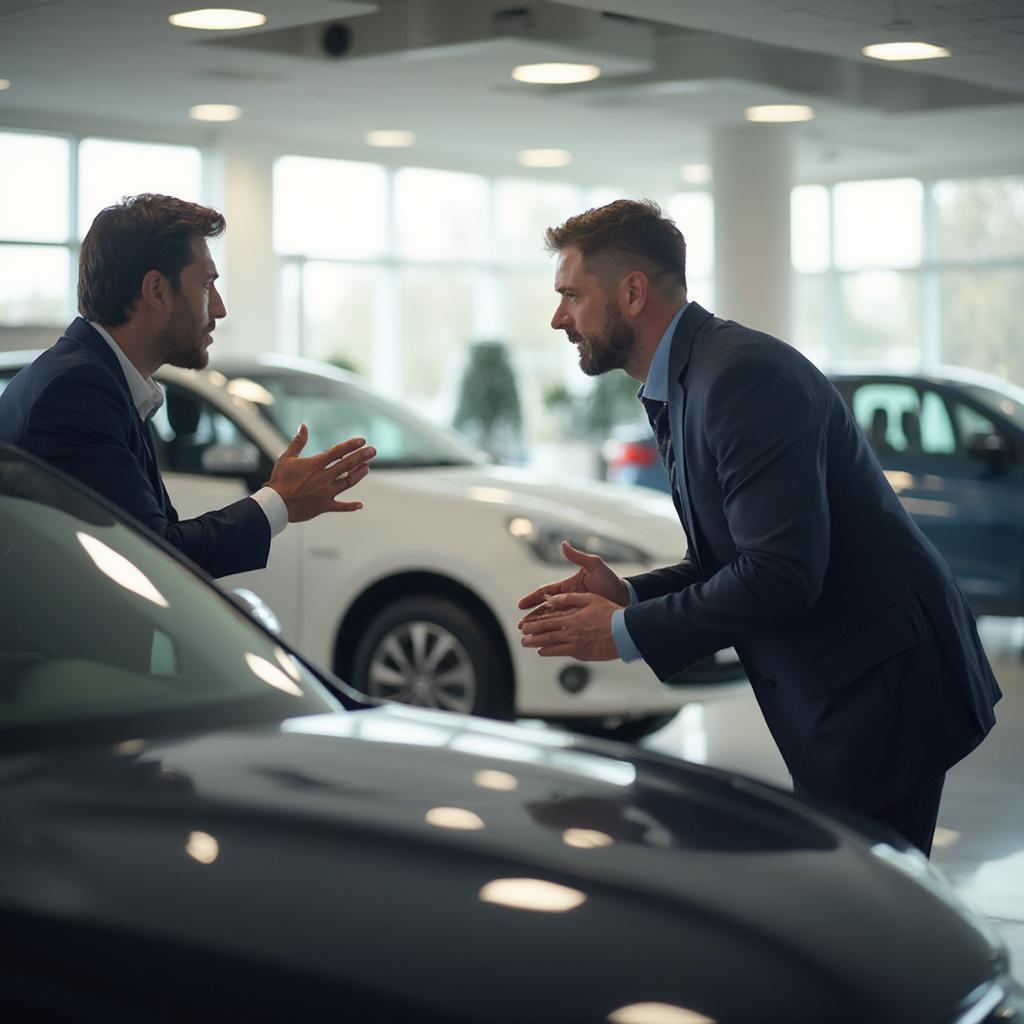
(414, 597)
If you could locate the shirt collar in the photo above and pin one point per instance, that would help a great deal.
(146, 394)
(656, 387)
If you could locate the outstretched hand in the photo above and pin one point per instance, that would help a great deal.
(310, 485)
(572, 626)
(594, 577)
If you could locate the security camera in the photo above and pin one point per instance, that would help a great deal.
(336, 40)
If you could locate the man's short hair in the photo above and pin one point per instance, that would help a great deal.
(126, 241)
(624, 236)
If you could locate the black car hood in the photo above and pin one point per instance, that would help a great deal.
(319, 848)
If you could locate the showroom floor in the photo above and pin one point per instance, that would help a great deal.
(980, 840)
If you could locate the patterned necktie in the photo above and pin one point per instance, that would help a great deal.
(657, 413)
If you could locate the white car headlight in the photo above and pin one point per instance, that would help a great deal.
(545, 542)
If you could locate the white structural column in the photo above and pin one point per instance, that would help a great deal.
(752, 168)
(245, 254)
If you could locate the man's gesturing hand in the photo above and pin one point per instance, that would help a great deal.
(572, 626)
(594, 577)
(310, 485)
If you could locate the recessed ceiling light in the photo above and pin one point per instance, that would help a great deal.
(215, 112)
(909, 50)
(5, 83)
(695, 174)
(555, 74)
(391, 138)
(779, 113)
(544, 157)
(217, 19)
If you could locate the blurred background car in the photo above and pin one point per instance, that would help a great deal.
(193, 825)
(951, 444)
(413, 599)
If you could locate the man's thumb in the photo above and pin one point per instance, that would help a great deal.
(297, 443)
(578, 557)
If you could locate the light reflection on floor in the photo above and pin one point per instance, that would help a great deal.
(980, 842)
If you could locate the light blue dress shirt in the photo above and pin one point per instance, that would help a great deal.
(656, 387)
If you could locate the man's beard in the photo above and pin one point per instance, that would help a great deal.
(185, 344)
(609, 350)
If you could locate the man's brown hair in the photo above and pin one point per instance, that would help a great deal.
(127, 240)
(623, 236)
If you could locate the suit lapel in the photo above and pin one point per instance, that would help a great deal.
(682, 346)
(141, 441)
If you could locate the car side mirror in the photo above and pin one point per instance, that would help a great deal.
(988, 448)
(239, 459)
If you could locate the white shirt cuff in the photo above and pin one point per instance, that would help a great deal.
(273, 507)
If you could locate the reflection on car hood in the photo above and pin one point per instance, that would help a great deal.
(636, 513)
(518, 874)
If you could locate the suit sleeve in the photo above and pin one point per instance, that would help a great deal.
(769, 444)
(81, 425)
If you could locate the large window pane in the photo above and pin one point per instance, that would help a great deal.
(523, 212)
(809, 229)
(981, 320)
(881, 316)
(693, 213)
(437, 329)
(440, 215)
(878, 223)
(329, 208)
(541, 357)
(34, 197)
(109, 170)
(979, 218)
(340, 307)
(810, 316)
(34, 285)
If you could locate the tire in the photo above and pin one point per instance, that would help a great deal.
(431, 652)
(614, 728)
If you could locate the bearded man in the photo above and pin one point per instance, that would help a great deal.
(148, 296)
(860, 648)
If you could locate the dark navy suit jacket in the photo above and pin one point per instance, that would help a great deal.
(72, 407)
(860, 648)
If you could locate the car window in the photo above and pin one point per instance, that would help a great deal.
(1007, 405)
(971, 424)
(900, 419)
(100, 625)
(335, 411)
(186, 427)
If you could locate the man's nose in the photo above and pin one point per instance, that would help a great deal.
(217, 308)
(560, 320)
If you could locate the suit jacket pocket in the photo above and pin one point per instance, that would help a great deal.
(886, 634)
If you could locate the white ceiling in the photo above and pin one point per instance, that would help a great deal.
(675, 70)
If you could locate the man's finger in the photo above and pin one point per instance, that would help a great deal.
(297, 443)
(538, 596)
(345, 506)
(339, 451)
(350, 479)
(548, 624)
(558, 651)
(566, 601)
(578, 557)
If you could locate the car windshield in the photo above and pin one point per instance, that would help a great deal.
(998, 400)
(107, 636)
(335, 410)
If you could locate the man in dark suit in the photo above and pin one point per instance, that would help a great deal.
(861, 650)
(147, 295)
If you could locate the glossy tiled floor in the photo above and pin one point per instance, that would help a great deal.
(980, 840)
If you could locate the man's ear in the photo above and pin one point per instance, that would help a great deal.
(634, 290)
(155, 293)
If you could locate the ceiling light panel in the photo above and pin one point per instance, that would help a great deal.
(779, 113)
(908, 50)
(391, 138)
(544, 157)
(218, 19)
(215, 112)
(556, 74)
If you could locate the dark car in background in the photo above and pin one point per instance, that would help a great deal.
(195, 824)
(951, 444)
